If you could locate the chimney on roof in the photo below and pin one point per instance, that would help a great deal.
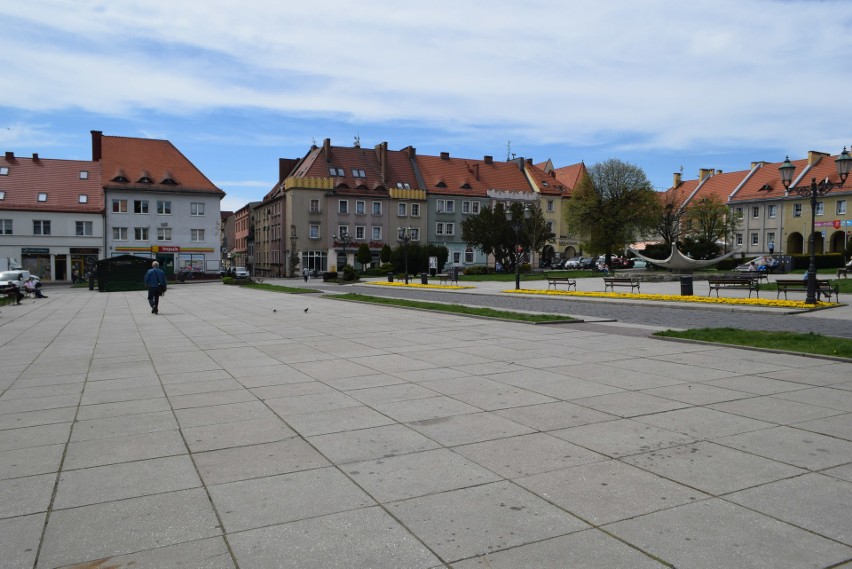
(756, 164)
(10, 156)
(383, 160)
(476, 171)
(677, 179)
(284, 166)
(814, 156)
(489, 160)
(520, 162)
(704, 173)
(326, 148)
(718, 171)
(35, 156)
(445, 155)
(96, 145)
(410, 151)
(529, 161)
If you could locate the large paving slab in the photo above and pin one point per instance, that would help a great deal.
(220, 434)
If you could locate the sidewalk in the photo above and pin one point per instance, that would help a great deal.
(242, 428)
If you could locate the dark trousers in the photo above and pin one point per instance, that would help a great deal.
(154, 296)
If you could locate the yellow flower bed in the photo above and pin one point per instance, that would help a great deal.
(412, 285)
(765, 302)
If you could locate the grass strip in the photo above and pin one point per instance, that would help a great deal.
(809, 343)
(282, 289)
(455, 308)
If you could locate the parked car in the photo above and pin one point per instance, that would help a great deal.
(241, 273)
(587, 263)
(572, 263)
(17, 278)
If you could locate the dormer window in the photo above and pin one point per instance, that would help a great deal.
(42, 196)
(2, 196)
(4, 170)
(440, 185)
(358, 173)
(169, 182)
(336, 172)
(83, 198)
(120, 178)
(403, 185)
(465, 186)
(84, 175)
(145, 180)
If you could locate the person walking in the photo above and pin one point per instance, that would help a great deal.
(155, 280)
(772, 247)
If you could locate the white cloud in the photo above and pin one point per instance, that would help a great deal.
(661, 74)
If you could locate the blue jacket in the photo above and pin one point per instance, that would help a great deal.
(155, 278)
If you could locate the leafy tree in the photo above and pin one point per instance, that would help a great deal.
(494, 234)
(670, 218)
(612, 206)
(363, 255)
(385, 255)
(708, 220)
(488, 231)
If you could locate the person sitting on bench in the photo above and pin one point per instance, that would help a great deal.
(31, 286)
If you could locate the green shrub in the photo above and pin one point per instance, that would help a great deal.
(476, 270)
(349, 273)
(229, 280)
(329, 276)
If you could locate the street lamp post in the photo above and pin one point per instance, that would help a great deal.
(517, 225)
(345, 239)
(814, 190)
(405, 237)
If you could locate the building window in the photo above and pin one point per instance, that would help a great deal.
(196, 209)
(770, 239)
(82, 198)
(820, 208)
(772, 211)
(841, 207)
(550, 226)
(797, 210)
(140, 206)
(465, 207)
(739, 212)
(468, 255)
(550, 206)
(439, 228)
(164, 207)
(474, 208)
(313, 232)
(41, 227)
(358, 173)
(414, 233)
(83, 228)
(377, 208)
(2, 195)
(4, 171)
(140, 233)
(755, 239)
(42, 196)
(164, 234)
(196, 235)
(402, 210)
(336, 172)
(5, 226)
(755, 212)
(377, 233)
(343, 206)
(446, 206)
(415, 210)
(450, 228)
(315, 206)
(119, 206)
(456, 257)
(341, 231)
(360, 232)
(403, 185)
(119, 234)
(84, 175)
(739, 238)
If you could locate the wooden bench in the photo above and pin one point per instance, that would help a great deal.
(553, 281)
(823, 288)
(446, 278)
(842, 271)
(752, 283)
(610, 282)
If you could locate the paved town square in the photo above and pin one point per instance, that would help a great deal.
(247, 429)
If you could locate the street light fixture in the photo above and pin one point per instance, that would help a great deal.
(814, 190)
(405, 234)
(345, 240)
(517, 226)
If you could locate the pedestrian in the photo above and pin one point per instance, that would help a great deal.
(155, 280)
(771, 247)
(305, 274)
(32, 288)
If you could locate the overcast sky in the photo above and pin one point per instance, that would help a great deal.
(237, 84)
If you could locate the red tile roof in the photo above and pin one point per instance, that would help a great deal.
(445, 175)
(59, 179)
(138, 159)
(382, 168)
(570, 176)
(548, 184)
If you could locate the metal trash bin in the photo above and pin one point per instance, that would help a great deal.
(424, 278)
(390, 277)
(686, 285)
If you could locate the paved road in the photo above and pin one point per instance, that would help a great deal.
(834, 322)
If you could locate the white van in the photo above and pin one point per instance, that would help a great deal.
(17, 278)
